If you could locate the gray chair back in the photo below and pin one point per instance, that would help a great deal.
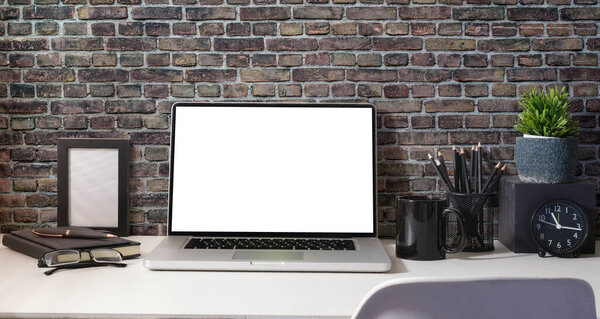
(480, 299)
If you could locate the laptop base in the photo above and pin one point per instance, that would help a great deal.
(369, 256)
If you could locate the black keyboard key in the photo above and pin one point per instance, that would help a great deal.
(270, 244)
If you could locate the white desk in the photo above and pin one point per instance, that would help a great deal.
(136, 292)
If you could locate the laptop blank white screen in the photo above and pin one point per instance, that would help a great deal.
(273, 169)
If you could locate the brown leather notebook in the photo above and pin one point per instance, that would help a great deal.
(30, 244)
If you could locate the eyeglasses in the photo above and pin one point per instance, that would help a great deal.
(61, 259)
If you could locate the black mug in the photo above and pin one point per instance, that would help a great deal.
(421, 223)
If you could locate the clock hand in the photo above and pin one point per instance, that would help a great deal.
(549, 223)
(572, 228)
(556, 221)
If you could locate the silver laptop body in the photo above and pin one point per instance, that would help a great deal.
(272, 187)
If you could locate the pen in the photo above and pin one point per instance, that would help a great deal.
(70, 233)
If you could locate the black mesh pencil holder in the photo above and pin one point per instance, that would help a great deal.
(478, 219)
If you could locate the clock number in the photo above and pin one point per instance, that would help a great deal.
(569, 242)
(541, 235)
(549, 242)
(574, 216)
(558, 245)
(557, 208)
(538, 226)
(575, 235)
(542, 217)
(579, 225)
(547, 210)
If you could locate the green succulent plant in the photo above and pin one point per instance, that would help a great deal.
(545, 114)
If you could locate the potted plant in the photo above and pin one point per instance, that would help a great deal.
(547, 152)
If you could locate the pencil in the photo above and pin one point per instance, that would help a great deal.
(441, 158)
(473, 169)
(456, 169)
(464, 171)
(479, 167)
(491, 177)
(496, 179)
(444, 177)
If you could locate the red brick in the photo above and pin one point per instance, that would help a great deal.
(424, 75)
(424, 13)
(297, 44)
(210, 13)
(48, 12)
(503, 45)
(532, 14)
(372, 75)
(335, 44)
(479, 75)
(388, 44)
(7, 13)
(449, 106)
(102, 75)
(582, 13)
(498, 105)
(474, 137)
(569, 44)
(422, 138)
(76, 106)
(248, 44)
(185, 44)
(101, 13)
(23, 44)
(320, 12)
(317, 74)
(8, 75)
(517, 75)
(477, 29)
(531, 30)
(342, 89)
(264, 13)
(268, 75)
(157, 75)
(371, 13)
(476, 13)
(49, 75)
(130, 44)
(130, 106)
(208, 75)
(156, 13)
(446, 44)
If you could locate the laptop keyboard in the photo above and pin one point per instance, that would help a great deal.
(270, 243)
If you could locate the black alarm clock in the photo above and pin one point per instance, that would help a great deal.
(560, 228)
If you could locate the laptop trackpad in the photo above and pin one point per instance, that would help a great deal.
(269, 255)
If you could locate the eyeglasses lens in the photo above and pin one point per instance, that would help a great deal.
(61, 257)
(106, 256)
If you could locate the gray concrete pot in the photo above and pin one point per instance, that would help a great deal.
(547, 160)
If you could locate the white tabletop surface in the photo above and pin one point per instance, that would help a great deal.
(135, 291)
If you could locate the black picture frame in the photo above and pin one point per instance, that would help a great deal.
(64, 191)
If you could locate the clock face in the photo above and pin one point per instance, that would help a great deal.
(560, 227)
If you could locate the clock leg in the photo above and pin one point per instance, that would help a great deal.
(541, 253)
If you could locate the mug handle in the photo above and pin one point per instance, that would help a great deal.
(459, 219)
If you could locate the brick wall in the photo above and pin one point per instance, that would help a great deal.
(440, 73)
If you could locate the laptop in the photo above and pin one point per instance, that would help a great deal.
(272, 187)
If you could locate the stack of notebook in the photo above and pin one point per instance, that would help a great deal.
(30, 244)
